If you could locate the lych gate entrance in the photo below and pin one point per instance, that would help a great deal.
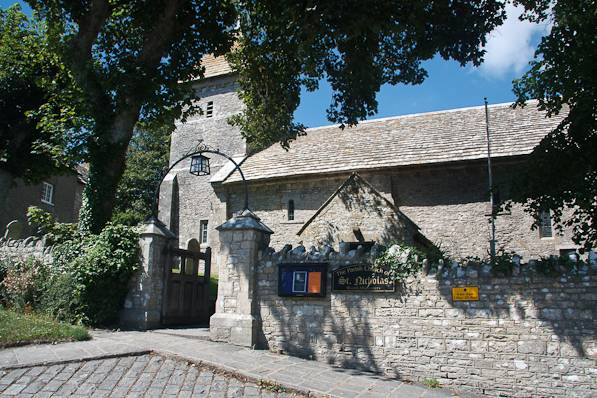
(186, 294)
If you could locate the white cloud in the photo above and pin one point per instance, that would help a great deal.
(511, 46)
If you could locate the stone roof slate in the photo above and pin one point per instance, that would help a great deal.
(426, 138)
(215, 66)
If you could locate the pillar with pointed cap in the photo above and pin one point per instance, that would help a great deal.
(143, 303)
(242, 238)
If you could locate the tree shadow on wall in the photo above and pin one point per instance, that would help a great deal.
(336, 329)
(529, 300)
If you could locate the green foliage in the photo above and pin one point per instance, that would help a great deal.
(133, 64)
(27, 149)
(401, 261)
(21, 281)
(357, 46)
(86, 283)
(434, 254)
(147, 157)
(562, 173)
(45, 224)
(99, 269)
(503, 263)
(431, 383)
(18, 329)
(59, 298)
(555, 265)
(128, 58)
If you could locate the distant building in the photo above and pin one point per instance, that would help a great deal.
(58, 195)
(416, 175)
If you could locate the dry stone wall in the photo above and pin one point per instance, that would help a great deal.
(21, 249)
(529, 335)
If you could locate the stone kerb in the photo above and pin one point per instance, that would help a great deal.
(242, 240)
(143, 303)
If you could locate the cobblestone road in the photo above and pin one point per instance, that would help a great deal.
(131, 376)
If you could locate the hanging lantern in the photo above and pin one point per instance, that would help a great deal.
(199, 165)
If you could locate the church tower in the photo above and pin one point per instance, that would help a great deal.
(188, 205)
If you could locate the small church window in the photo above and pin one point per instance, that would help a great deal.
(290, 210)
(209, 110)
(203, 231)
(545, 230)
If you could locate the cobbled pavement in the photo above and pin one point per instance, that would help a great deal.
(129, 376)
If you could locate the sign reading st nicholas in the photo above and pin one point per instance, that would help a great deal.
(362, 277)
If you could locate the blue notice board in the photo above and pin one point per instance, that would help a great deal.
(302, 279)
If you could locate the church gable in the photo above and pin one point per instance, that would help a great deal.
(356, 211)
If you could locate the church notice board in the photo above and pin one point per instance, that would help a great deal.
(362, 277)
(302, 279)
(465, 293)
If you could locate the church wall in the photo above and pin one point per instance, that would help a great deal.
(451, 207)
(449, 204)
(357, 207)
(270, 202)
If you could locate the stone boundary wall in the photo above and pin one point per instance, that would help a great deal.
(21, 249)
(529, 335)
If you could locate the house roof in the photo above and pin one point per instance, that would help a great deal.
(215, 66)
(355, 177)
(425, 138)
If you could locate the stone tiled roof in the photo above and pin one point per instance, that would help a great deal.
(427, 138)
(215, 66)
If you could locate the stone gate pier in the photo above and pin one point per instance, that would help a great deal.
(242, 239)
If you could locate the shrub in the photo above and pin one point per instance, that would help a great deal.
(99, 267)
(401, 261)
(59, 299)
(21, 282)
(45, 224)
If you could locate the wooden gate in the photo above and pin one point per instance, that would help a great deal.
(186, 292)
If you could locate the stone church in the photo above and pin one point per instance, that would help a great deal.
(413, 178)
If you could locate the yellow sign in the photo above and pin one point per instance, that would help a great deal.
(467, 293)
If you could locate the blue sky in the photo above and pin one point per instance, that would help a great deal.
(509, 49)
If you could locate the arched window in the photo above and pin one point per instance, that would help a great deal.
(290, 210)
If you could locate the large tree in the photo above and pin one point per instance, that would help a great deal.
(146, 159)
(28, 72)
(562, 172)
(130, 57)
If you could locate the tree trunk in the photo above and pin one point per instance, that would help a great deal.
(107, 160)
(6, 180)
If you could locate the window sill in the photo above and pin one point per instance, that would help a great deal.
(47, 203)
(292, 222)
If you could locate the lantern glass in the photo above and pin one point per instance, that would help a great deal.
(199, 165)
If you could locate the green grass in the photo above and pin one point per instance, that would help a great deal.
(431, 383)
(19, 329)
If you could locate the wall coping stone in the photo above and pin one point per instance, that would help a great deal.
(451, 270)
